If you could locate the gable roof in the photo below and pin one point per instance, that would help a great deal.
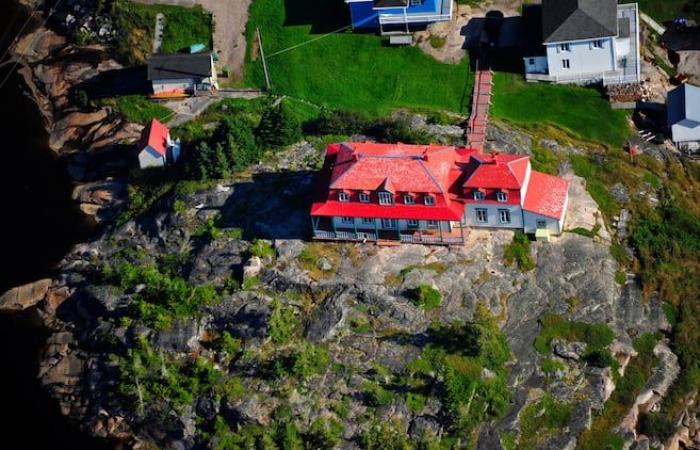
(571, 20)
(179, 65)
(683, 103)
(546, 195)
(393, 167)
(496, 171)
(155, 135)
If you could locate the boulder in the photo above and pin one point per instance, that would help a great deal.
(568, 350)
(424, 426)
(253, 267)
(25, 296)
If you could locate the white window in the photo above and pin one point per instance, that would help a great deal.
(598, 43)
(541, 224)
(367, 220)
(566, 64)
(412, 223)
(409, 199)
(343, 196)
(531, 61)
(479, 196)
(482, 215)
(432, 223)
(504, 215)
(364, 198)
(385, 198)
(501, 196)
(429, 200)
(347, 220)
(564, 47)
(389, 223)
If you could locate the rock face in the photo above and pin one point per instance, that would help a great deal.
(25, 296)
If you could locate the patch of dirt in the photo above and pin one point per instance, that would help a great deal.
(230, 18)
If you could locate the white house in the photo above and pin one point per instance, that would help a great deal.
(683, 105)
(584, 41)
(181, 74)
(156, 148)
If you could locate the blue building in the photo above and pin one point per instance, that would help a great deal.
(397, 15)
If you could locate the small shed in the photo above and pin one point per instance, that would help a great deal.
(683, 104)
(156, 148)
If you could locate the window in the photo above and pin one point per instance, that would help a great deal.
(364, 198)
(343, 196)
(501, 196)
(504, 215)
(347, 220)
(531, 61)
(429, 200)
(564, 47)
(416, 2)
(566, 64)
(541, 224)
(432, 223)
(479, 196)
(385, 198)
(388, 223)
(409, 199)
(412, 223)
(598, 43)
(482, 215)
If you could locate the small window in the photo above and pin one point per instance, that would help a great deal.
(482, 215)
(412, 223)
(479, 196)
(531, 61)
(432, 223)
(565, 47)
(598, 43)
(416, 2)
(389, 223)
(504, 215)
(348, 220)
(429, 200)
(364, 198)
(385, 198)
(501, 196)
(541, 224)
(343, 197)
(409, 199)
(566, 64)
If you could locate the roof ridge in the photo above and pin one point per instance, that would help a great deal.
(432, 177)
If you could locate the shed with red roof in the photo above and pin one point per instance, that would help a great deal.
(156, 149)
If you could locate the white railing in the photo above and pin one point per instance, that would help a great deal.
(423, 239)
(345, 235)
(389, 19)
(610, 77)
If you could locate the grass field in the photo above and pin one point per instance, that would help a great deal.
(348, 70)
(139, 109)
(582, 112)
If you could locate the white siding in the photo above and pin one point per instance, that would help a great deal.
(401, 224)
(583, 58)
(531, 223)
(172, 85)
(622, 47)
(148, 157)
(685, 131)
(535, 64)
(516, 216)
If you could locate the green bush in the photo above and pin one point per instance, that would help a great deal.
(324, 433)
(282, 323)
(342, 122)
(519, 251)
(376, 395)
(262, 249)
(542, 419)
(597, 336)
(426, 296)
(549, 365)
(278, 127)
(656, 425)
(399, 130)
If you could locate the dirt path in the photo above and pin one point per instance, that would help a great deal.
(230, 18)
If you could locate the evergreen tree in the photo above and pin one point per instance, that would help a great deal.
(201, 162)
(220, 166)
(278, 127)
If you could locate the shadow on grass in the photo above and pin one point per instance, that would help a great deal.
(113, 83)
(324, 16)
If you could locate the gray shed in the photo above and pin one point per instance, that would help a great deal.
(683, 105)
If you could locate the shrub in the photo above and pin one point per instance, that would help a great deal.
(519, 251)
(278, 127)
(656, 425)
(596, 336)
(399, 130)
(282, 323)
(427, 297)
(324, 433)
(376, 395)
(549, 365)
(342, 122)
(262, 249)
(438, 41)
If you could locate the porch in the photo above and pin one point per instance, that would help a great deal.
(426, 12)
(325, 230)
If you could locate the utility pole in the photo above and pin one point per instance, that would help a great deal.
(262, 55)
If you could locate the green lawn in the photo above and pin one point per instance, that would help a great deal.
(139, 109)
(348, 70)
(663, 10)
(582, 112)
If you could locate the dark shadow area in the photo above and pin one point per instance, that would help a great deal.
(118, 82)
(495, 39)
(111, 161)
(324, 16)
(679, 39)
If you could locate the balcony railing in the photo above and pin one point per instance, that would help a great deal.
(345, 235)
(398, 19)
(610, 77)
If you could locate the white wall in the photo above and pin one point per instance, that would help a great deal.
(583, 57)
(148, 157)
(492, 214)
(622, 47)
(402, 225)
(685, 130)
(531, 223)
(535, 64)
(171, 85)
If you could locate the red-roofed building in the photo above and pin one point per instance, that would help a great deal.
(430, 193)
(156, 149)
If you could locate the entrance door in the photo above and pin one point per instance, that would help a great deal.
(389, 223)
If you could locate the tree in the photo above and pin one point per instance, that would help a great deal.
(220, 164)
(278, 127)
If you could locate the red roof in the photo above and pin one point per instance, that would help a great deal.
(331, 208)
(497, 171)
(393, 167)
(546, 195)
(155, 135)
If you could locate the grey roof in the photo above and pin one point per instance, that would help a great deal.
(683, 103)
(571, 20)
(179, 65)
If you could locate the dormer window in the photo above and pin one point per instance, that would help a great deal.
(429, 200)
(408, 199)
(501, 196)
(566, 47)
(343, 197)
(386, 198)
(364, 197)
(479, 196)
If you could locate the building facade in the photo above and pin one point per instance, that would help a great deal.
(156, 148)
(683, 106)
(182, 74)
(585, 41)
(397, 15)
(431, 194)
